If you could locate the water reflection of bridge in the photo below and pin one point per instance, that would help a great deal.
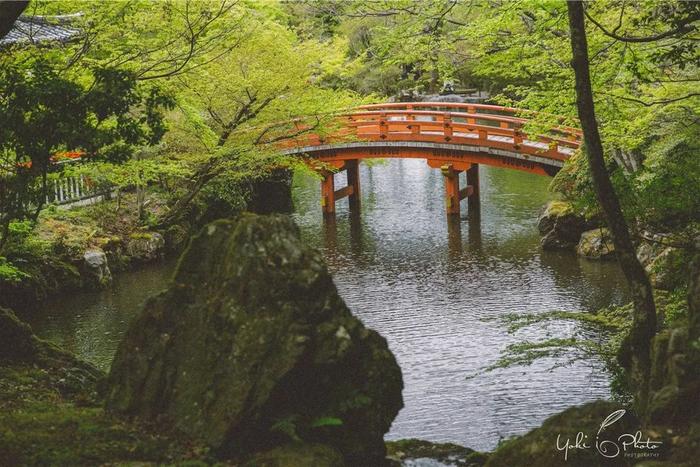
(454, 234)
(453, 137)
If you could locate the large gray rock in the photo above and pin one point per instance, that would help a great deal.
(95, 267)
(596, 244)
(560, 226)
(145, 246)
(666, 265)
(252, 347)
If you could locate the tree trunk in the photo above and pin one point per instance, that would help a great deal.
(644, 317)
(141, 201)
(203, 176)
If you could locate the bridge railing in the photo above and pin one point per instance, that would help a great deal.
(487, 109)
(464, 124)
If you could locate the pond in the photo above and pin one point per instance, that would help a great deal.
(440, 292)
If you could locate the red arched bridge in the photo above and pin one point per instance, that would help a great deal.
(453, 137)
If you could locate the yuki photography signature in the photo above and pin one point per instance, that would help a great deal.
(627, 444)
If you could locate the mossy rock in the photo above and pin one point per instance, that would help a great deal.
(252, 347)
(51, 414)
(668, 267)
(539, 446)
(674, 385)
(410, 450)
(558, 208)
(596, 244)
(297, 455)
(145, 246)
(560, 226)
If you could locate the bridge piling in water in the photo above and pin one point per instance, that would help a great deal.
(329, 195)
(352, 168)
(454, 194)
(473, 202)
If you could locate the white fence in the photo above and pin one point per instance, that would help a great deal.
(74, 190)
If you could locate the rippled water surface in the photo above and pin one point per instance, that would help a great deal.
(438, 291)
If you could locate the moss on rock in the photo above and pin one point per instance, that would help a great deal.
(252, 347)
(51, 414)
(41, 425)
(410, 450)
(560, 226)
(297, 455)
(539, 446)
(596, 244)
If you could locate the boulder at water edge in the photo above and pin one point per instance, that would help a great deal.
(667, 266)
(96, 267)
(145, 246)
(596, 244)
(251, 348)
(560, 226)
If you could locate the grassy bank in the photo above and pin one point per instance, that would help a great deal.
(48, 257)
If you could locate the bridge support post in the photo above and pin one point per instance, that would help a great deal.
(473, 201)
(353, 172)
(452, 193)
(328, 194)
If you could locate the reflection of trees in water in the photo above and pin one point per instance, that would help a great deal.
(303, 187)
(600, 283)
(513, 191)
(91, 324)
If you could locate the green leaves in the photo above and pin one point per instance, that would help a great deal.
(288, 427)
(326, 421)
(46, 109)
(291, 426)
(10, 273)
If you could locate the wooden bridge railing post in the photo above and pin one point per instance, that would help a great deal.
(447, 126)
(470, 120)
(413, 124)
(517, 138)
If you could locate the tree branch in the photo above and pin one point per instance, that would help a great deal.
(685, 26)
(652, 103)
(259, 139)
